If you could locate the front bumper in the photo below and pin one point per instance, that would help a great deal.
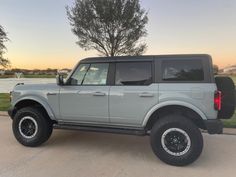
(214, 126)
(10, 112)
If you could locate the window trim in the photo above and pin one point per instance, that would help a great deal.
(146, 61)
(85, 74)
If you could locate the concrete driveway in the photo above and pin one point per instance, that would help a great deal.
(74, 153)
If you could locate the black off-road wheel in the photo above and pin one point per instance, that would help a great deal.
(31, 126)
(176, 140)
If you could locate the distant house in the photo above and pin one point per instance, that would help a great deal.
(64, 71)
(230, 69)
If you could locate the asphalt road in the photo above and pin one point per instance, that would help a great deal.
(75, 154)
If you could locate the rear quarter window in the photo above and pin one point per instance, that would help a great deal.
(182, 70)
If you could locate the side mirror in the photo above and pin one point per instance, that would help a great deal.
(59, 79)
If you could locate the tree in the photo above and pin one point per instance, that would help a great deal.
(3, 38)
(112, 27)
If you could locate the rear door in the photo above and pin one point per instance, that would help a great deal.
(133, 93)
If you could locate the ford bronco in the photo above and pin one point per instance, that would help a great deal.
(169, 97)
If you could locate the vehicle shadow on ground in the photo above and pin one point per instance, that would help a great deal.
(138, 147)
(128, 145)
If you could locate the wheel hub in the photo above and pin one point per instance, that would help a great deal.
(175, 141)
(28, 127)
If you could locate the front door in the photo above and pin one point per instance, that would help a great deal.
(84, 98)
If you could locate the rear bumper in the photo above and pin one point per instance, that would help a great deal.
(214, 126)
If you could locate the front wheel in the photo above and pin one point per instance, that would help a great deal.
(176, 140)
(31, 126)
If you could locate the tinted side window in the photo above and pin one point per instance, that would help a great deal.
(182, 70)
(96, 74)
(78, 76)
(133, 73)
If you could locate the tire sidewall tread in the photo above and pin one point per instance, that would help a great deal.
(44, 126)
(175, 121)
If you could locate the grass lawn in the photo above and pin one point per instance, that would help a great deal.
(4, 101)
(230, 123)
(30, 76)
(39, 76)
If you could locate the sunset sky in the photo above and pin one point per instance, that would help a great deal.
(41, 36)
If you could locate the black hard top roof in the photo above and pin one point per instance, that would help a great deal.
(143, 57)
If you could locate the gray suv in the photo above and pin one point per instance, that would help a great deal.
(169, 97)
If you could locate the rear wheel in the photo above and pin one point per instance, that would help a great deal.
(176, 140)
(31, 126)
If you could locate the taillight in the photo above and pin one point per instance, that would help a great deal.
(217, 100)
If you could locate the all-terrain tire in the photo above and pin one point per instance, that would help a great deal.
(36, 118)
(180, 124)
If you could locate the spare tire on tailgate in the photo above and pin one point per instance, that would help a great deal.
(227, 88)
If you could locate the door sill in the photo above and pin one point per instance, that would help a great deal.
(103, 129)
